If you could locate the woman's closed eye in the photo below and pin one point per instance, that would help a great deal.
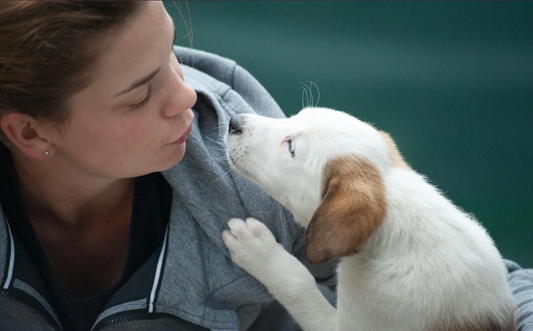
(143, 101)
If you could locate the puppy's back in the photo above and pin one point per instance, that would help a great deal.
(447, 260)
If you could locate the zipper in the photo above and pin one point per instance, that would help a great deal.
(136, 316)
(49, 320)
(8, 282)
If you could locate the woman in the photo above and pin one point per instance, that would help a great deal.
(106, 221)
(103, 218)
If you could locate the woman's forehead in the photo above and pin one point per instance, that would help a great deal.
(133, 50)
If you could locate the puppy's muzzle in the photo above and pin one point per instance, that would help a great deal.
(235, 125)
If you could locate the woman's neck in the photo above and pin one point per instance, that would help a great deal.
(71, 199)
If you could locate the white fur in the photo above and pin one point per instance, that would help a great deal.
(427, 264)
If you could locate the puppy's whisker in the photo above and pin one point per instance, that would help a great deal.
(311, 85)
(230, 169)
(304, 95)
(220, 158)
(221, 144)
(318, 96)
(216, 149)
(307, 93)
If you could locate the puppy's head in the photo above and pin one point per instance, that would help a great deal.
(325, 166)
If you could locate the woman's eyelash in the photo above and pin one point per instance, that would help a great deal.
(145, 100)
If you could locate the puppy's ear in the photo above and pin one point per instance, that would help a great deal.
(352, 208)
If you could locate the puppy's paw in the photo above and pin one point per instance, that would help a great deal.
(251, 245)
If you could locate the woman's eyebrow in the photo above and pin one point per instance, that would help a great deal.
(139, 82)
(146, 79)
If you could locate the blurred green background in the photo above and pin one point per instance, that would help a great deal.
(452, 82)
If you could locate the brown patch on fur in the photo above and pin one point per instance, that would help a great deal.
(480, 324)
(396, 157)
(352, 208)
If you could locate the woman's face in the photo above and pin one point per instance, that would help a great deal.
(135, 116)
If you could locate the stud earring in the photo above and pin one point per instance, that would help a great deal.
(46, 153)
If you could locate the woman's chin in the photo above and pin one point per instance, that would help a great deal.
(175, 157)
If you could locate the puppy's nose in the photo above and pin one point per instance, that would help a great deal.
(235, 125)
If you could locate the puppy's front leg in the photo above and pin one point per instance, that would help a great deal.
(253, 247)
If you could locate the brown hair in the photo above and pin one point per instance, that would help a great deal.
(47, 50)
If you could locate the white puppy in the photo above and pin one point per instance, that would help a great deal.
(410, 259)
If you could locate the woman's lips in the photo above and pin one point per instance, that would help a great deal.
(182, 139)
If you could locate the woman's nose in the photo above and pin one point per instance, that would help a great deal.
(181, 97)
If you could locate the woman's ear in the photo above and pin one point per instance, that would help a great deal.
(352, 208)
(23, 132)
